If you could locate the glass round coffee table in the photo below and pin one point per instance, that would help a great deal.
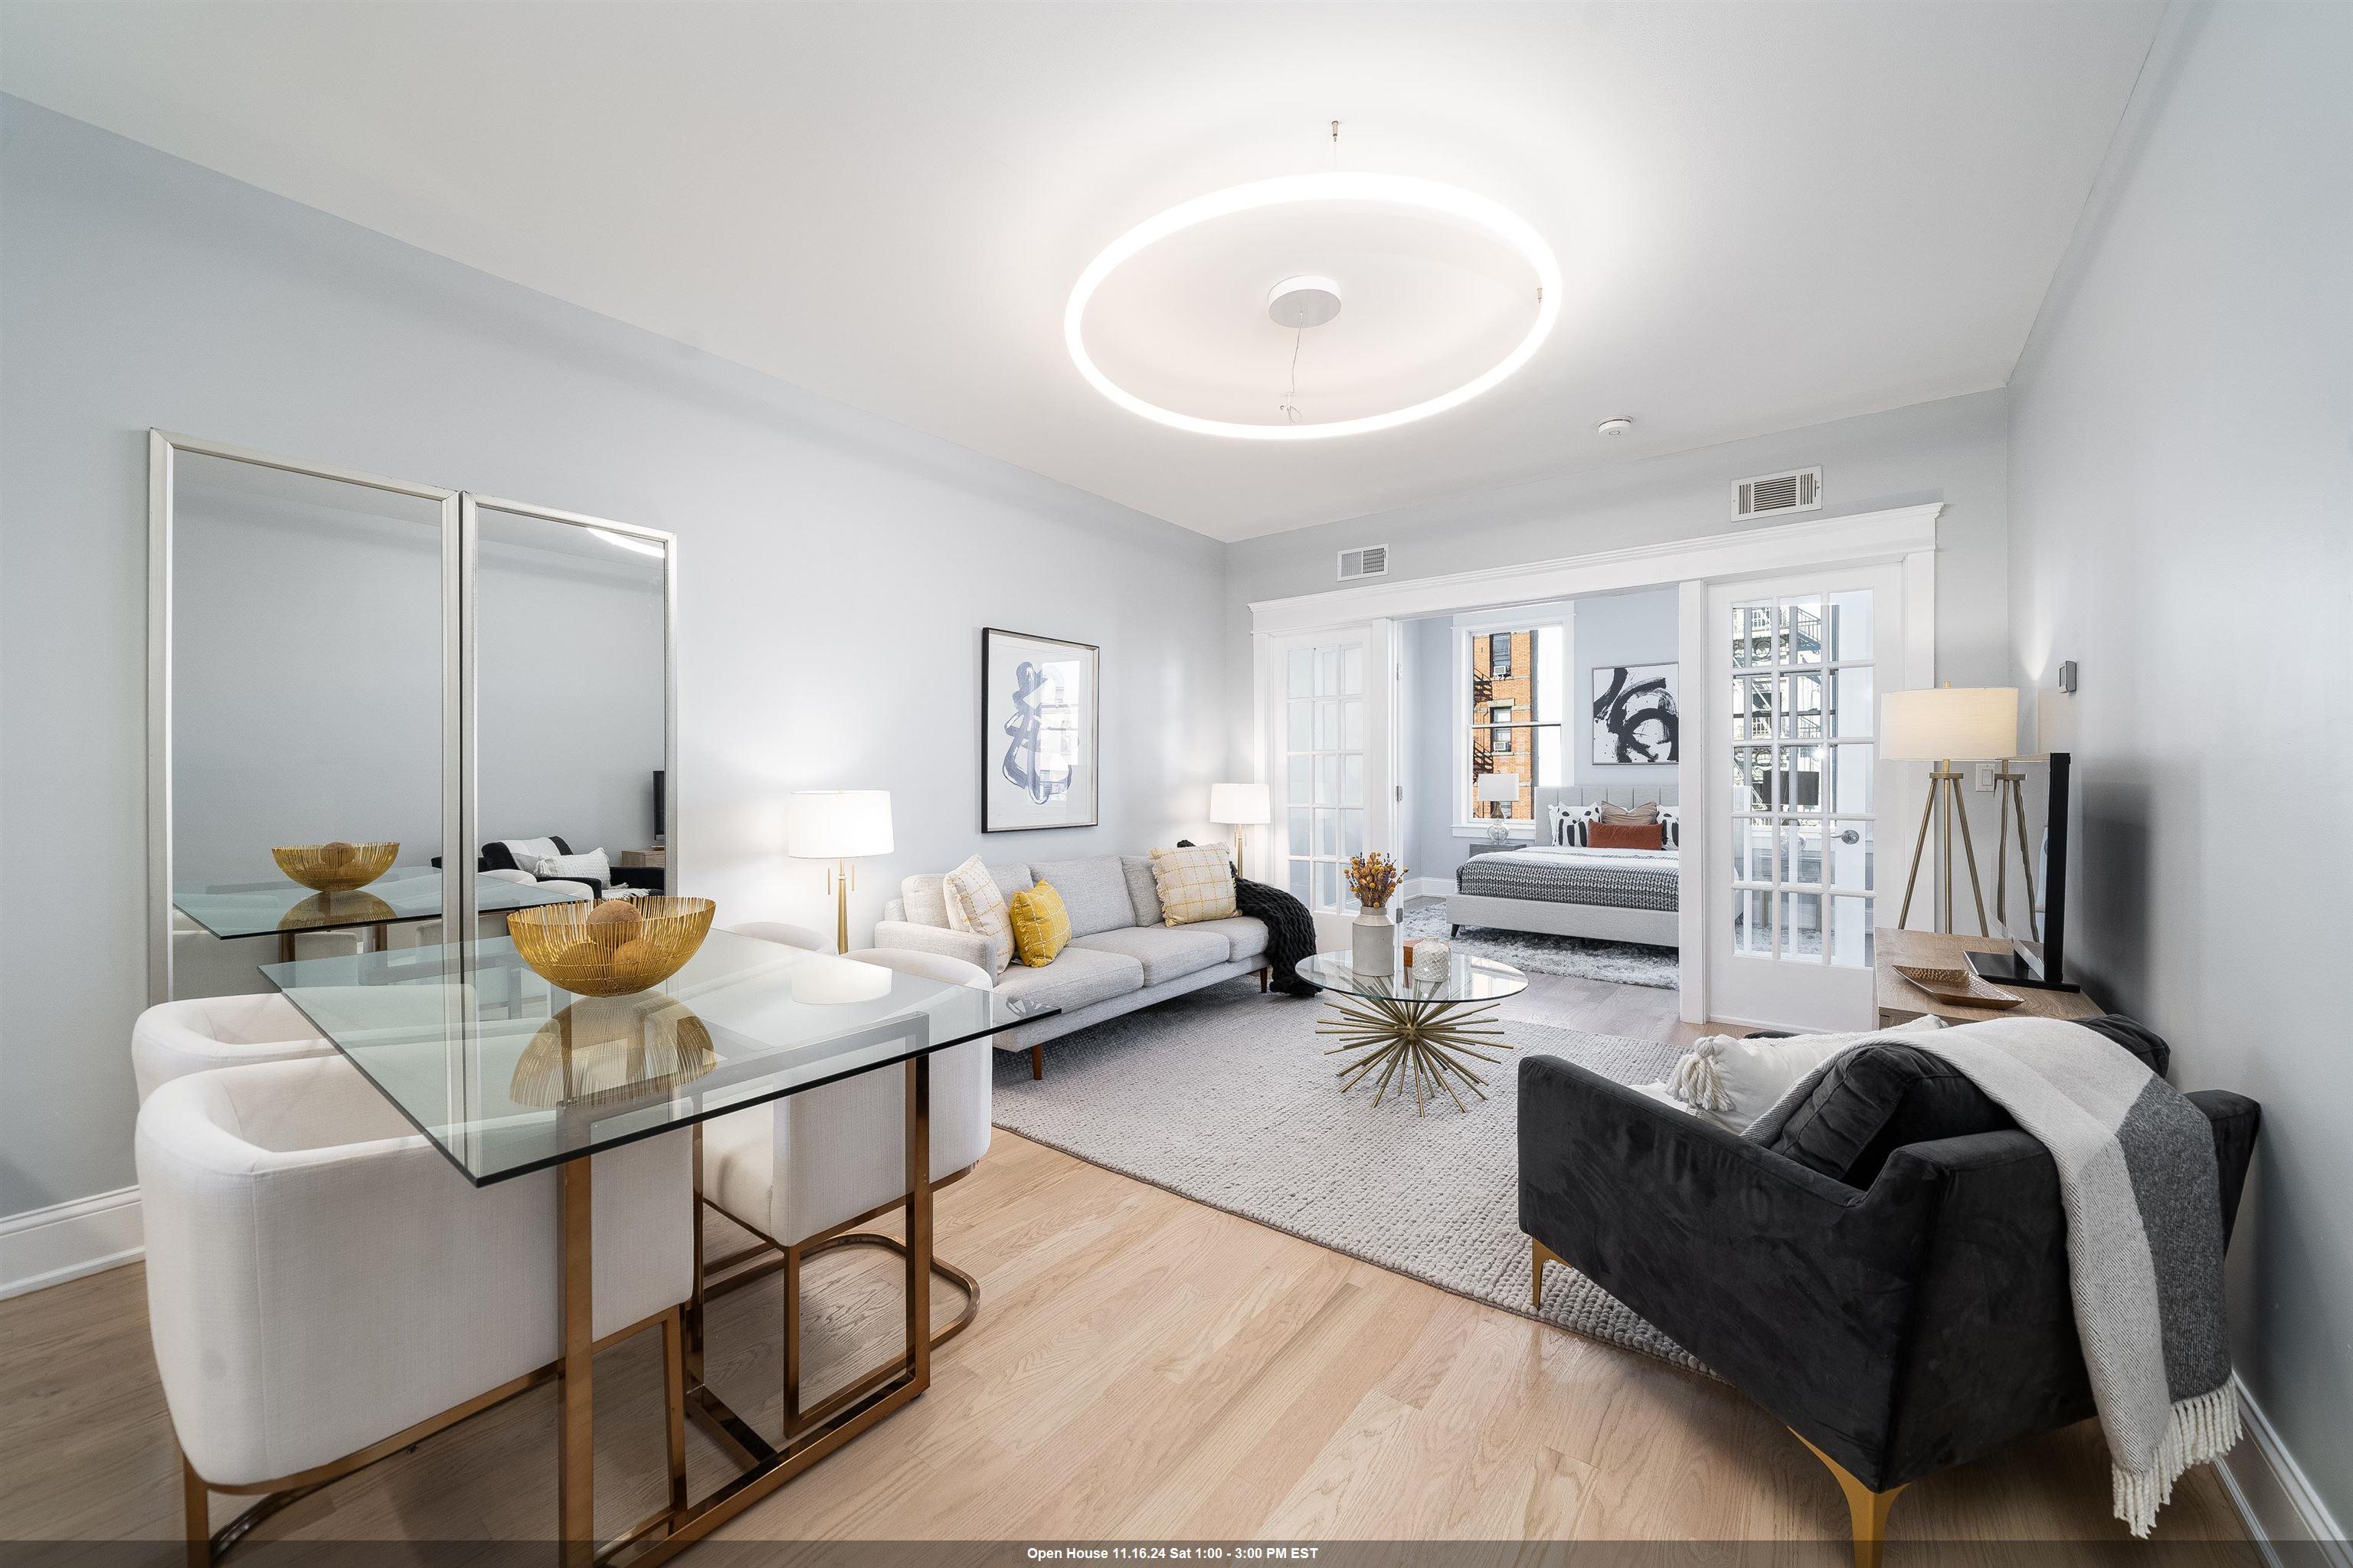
(1417, 1033)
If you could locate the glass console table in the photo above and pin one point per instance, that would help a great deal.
(1421, 1035)
(281, 908)
(506, 1074)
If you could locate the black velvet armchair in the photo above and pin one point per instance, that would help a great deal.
(1910, 1324)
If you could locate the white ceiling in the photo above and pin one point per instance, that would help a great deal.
(1767, 215)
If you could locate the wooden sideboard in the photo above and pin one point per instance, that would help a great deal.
(1900, 1001)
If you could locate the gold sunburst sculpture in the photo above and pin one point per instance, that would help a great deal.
(1424, 1045)
(335, 866)
(613, 947)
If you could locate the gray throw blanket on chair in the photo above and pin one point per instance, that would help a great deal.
(2137, 1180)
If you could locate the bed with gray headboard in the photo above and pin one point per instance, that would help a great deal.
(1619, 896)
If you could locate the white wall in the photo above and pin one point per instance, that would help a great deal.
(835, 569)
(2182, 526)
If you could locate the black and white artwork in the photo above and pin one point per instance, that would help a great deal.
(1037, 732)
(1634, 717)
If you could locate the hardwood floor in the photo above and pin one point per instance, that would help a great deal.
(1143, 1368)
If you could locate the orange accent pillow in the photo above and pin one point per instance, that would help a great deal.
(1626, 835)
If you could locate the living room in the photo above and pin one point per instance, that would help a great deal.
(1317, 662)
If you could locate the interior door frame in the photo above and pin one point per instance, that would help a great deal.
(1905, 536)
(1380, 698)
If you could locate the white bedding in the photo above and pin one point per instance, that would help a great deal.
(1613, 859)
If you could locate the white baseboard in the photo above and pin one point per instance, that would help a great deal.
(2272, 1494)
(1425, 888)
(66, 1240)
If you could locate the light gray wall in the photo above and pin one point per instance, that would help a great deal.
(835, 569)
(2182, 526)
(1617, 628)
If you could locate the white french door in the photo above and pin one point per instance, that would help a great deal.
(1796, 666)
(1328, 702)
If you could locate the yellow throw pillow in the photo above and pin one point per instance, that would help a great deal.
(1041, 926)
(976, 904)
(1194, 883)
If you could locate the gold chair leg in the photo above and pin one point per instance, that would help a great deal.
(1538, 1255)
(791, 1340)
(1868, 1509)
(197, 1510)
(674, 1401)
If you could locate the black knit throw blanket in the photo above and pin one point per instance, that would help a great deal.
(1289, 929)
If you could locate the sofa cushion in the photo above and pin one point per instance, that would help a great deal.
(1196, 882)
(1142, 891)
(1094, 890)
(1878, 1097)
(1042, 924)
(924, 900)
(976, 904)
(1077, 978)
(1166, 952)
(1245, 933)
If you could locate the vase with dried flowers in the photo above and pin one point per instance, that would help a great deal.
(1374, 879)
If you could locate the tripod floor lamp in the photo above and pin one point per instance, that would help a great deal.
(838, 825)
(1942, 724)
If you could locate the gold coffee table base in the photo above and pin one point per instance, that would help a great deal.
(1425, 1044)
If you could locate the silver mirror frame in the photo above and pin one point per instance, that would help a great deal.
(459, 512)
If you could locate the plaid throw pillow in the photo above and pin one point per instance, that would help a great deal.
(1194, 883)
(976, 904)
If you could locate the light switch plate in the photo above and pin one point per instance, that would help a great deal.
(1981, 777)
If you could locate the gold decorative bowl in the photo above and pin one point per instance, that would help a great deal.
(614, 947)
(336, 867)
(321, 909)
(603, 1051)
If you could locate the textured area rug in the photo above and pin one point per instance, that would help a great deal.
(1225, 1097)
(1540, 952)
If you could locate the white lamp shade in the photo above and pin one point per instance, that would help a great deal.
(1977, 723)
(1499, 785)
(838, 824)
(1238, 805)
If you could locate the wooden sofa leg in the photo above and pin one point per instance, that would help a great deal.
(1538, 1255)
(1868, 1509)
(1037, 1062)
(196, 1515)
(1265, 979)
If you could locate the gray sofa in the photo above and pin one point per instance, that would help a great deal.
(1122, 955)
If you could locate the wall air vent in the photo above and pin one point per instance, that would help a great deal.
(1372, 561)
(1799, 489)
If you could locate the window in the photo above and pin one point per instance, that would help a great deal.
(1507, 713)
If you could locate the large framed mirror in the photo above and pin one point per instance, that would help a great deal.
(357, 684)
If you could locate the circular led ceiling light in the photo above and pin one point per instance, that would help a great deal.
(1393, 190)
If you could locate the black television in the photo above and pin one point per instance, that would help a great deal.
(2028, 888)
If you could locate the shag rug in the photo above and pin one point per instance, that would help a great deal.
(1540, 952)
(1225, 1097)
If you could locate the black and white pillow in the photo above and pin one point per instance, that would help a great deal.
(1571, 824)
(1671, 825)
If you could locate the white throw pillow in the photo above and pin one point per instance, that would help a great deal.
(976, 904)
(1732, 1082)
(590, 867)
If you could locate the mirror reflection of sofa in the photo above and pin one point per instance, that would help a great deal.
(502, 858)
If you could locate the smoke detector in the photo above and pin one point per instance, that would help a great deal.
(1307, 301)
(1617, 426)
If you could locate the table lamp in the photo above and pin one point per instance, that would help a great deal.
(1498, 791)
(1938, 724)
(838, 825)
(1238, 806)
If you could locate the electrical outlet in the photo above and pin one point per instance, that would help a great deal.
(1981, 777)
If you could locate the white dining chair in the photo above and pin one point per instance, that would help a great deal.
(324, 1289)
(173, 1039)
(803, 1174)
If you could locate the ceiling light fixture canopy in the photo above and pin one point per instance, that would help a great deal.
(1395, 190)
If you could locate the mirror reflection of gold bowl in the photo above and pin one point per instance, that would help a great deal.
(614, 947)
(336, 867)
(599, 1052)
(347, 908)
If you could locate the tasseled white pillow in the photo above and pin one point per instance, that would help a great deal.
(1732, 1082)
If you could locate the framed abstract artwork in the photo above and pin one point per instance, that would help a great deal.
(1039, 746)
(1634, 717)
